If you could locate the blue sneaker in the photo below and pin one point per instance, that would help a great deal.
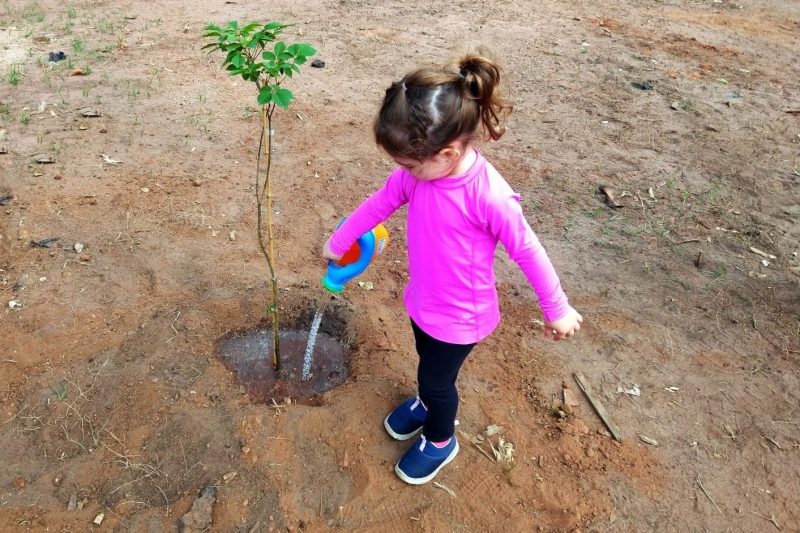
(423, 460)
(406, 419)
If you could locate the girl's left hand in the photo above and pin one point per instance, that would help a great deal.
(563, 328)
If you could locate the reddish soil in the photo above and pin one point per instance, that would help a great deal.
(110, 391)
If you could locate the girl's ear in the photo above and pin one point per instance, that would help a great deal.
(451, 152)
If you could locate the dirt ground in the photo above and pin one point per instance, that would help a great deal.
(112, 400)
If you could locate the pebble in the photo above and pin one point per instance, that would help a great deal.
(73, 502)
(99, 519)
(59, 477)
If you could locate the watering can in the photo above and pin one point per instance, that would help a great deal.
(356, 259)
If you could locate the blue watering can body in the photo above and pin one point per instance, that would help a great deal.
(356, 260)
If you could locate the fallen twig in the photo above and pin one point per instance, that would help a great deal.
(583, 383)
(686, 241)
(446, 489)
(708, 495)
(484, 452)
(771, 518)
(761, 253)
(774, 442)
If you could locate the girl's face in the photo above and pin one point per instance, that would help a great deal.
(441, 165)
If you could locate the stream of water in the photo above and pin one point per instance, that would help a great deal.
(308, 358)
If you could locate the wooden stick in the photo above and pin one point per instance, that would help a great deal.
(484, 453)
(446, 489)
(770, 519)
(708, 496)
(583, 383)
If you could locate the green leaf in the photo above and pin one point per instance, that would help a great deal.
(238, 60)
(305, 49)
(265, 95)
(250, 27)
(280, 48)
(282, 97)
(269, 56)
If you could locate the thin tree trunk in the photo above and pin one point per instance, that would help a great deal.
(268, 249)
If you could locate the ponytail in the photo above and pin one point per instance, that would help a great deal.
(432, 107)
(481, 80)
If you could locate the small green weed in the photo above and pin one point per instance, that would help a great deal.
(718, 272)
(59, 388)
(24, 116)
(78, 45)
(14, 75)
(594, 213)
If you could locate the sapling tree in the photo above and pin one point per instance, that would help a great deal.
(254, 52)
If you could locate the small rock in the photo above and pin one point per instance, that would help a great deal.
(345, 462)
(23, 234)
(196, 182)
(246, 450)
(232, 235)
(229, 476)
(98, 520)
(78, 247)
(318, 63)
(145, 189)
(199, 516)
(14, 304)
(20, 481)
(103, 130)
(73, 502)
(55, 57)
(59, 477)
(77, 72)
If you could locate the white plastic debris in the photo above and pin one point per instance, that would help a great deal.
(764, 262)
(14, 304)
(78, 247)
(631, 392)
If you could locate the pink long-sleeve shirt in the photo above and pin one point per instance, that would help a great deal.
(454, 225)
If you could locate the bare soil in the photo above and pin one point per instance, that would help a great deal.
(110, 391)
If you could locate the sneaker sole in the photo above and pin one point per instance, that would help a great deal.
(423, 480)
(398, 436)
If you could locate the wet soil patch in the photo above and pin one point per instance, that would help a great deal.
(248, 353)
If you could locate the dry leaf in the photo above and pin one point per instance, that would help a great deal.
(493, 429)
(610, 194)
(109, 160)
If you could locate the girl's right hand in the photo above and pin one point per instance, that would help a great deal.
(327, 253)
(565, 327)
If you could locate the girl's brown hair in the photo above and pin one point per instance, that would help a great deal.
(432, 107)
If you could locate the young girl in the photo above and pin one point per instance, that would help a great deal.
(459, 208)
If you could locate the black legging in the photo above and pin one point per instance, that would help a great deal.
(439, 363)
